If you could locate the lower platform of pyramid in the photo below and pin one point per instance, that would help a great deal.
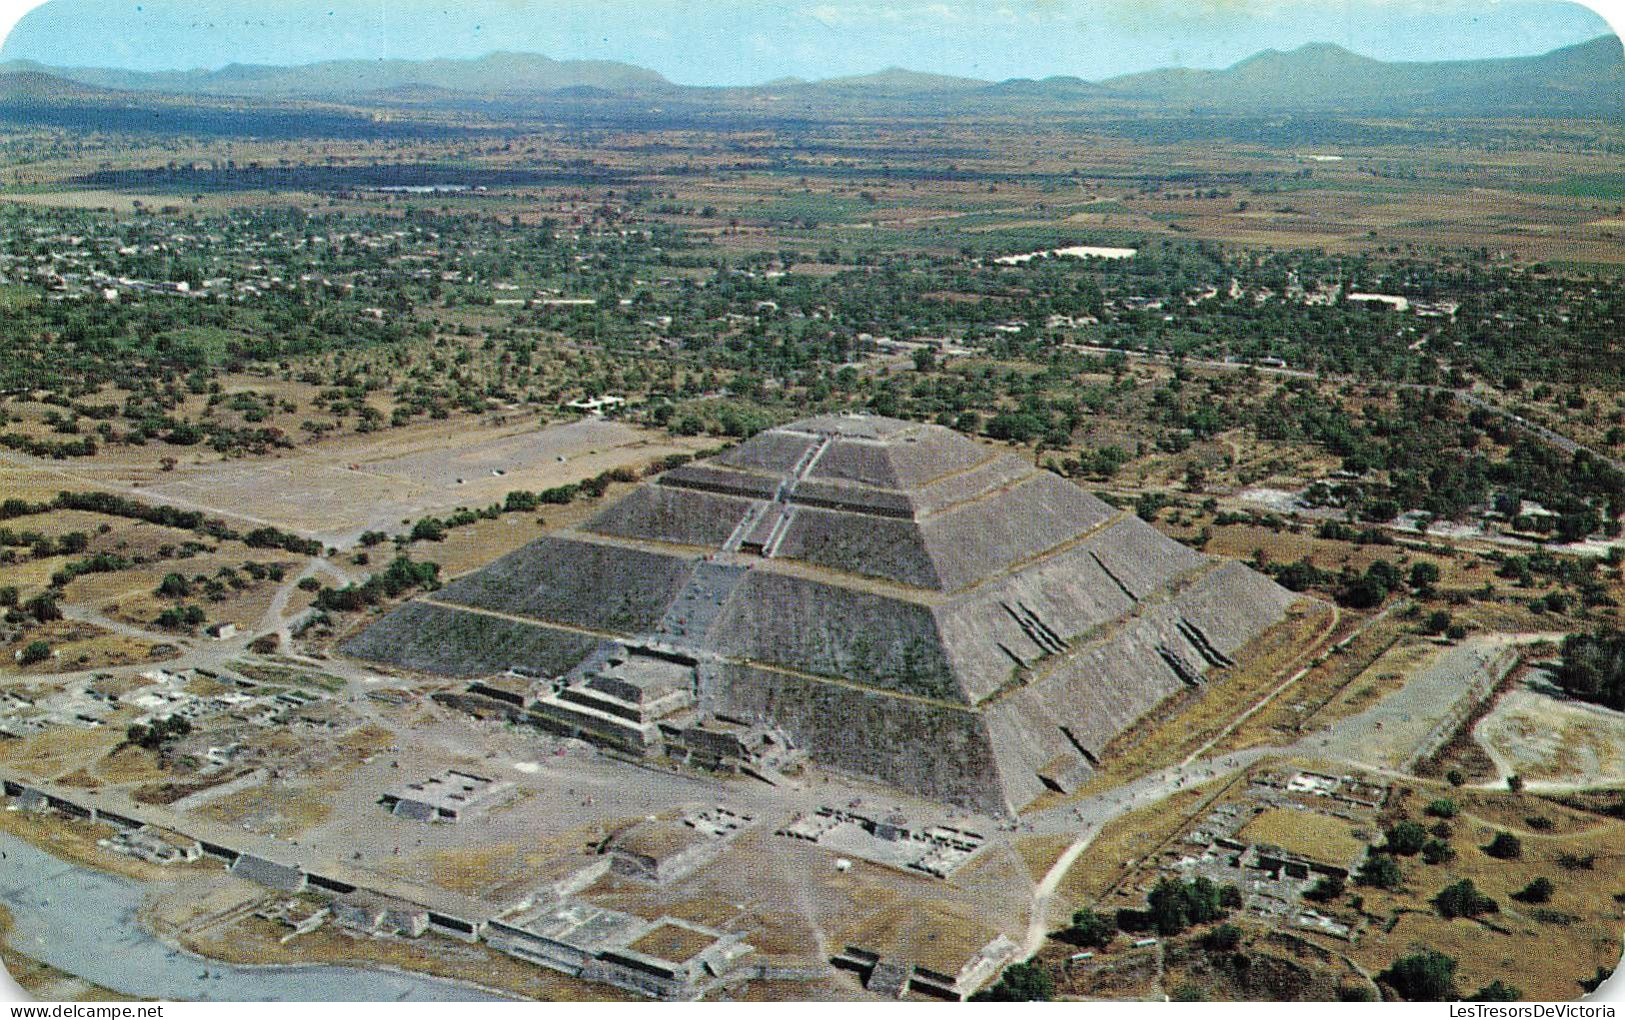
(898, 602)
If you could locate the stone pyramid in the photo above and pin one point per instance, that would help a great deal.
(908, 605)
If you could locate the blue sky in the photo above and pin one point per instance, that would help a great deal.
(715, 42)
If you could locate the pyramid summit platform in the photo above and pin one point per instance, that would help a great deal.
(906, 604)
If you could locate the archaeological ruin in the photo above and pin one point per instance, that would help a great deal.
(894, 600)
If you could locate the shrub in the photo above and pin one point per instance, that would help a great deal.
(1021, 982)
(1538, 891)
(1406, 839)
(1091, 929)
(429, 529)
(37, 651)
(1505, 846)
(1174, 905)
(1222, 938)
(159, 733)
(1437, 851)
(1595, 982)
(181, 618)
(43, 608)
(1463, 899)
(1495, 991)
(1427, 976)
(1444, 807)
(1380, 871)
(1326, 889)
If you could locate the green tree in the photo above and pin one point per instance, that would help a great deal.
(1424, 576)
(1021, 982)
(1406, 839)
(1091, 929)
(1222, 938)
(1427, 976)
(36, 651)
(1326, 889)
(1463, 899)
(1380, 871)
(1505, 846)
(1444, 807)
(1437, 851)
(1538, 891)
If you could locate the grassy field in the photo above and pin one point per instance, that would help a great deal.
(1312, 835)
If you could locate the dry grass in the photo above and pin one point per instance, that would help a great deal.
(79, 646)
(1308, 834)
(936, 933)
(1123, 843)
(278, 810)
(671, 942)
(58, 750)
(1543, 955)
(1039, 853)
(1545, 960)
(130, 764)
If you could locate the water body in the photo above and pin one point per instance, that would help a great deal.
(84, 922)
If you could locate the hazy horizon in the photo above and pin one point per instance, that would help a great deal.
(745, 43)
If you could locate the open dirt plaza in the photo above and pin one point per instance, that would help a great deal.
(1551, 741)
(336, 491)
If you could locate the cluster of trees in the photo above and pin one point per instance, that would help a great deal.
(402, 575)
(181, 618)
(1355, 589)
(1173, 906)
(55, 449)
(1435, 453)
(44, 546)
(101, 563)
(114, 505)
(1593, 667)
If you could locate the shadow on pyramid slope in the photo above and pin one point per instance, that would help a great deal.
(905, 604)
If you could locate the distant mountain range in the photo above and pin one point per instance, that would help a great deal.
(496, 73)
(1585, 79)
(1323, 76)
